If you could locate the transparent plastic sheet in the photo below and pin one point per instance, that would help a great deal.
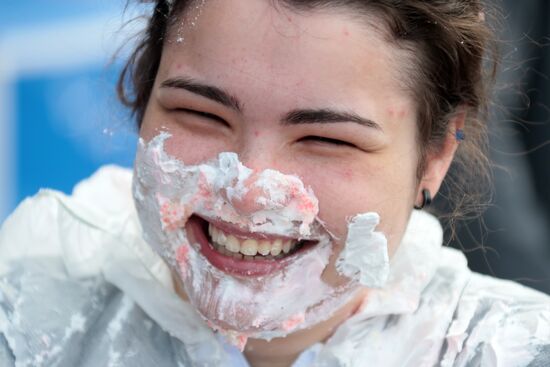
(60, 285)
(432, 310)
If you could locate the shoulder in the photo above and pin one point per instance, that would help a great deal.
(49, 318)
(499, 323)
(61, 300)
(52, 224)
(39, 305)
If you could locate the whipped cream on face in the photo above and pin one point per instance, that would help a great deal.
(167, 192)
(365, 256)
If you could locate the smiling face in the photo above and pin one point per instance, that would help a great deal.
(317, 95)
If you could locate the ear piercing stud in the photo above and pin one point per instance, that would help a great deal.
(459, 135)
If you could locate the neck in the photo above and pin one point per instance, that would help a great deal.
(282, 352)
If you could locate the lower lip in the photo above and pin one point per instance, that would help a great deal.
(230, 264)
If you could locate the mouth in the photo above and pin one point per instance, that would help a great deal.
(243, 253)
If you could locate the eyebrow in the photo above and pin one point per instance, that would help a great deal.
(295, 117)
(325, 115)
(208, 91)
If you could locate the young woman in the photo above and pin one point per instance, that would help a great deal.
(287, 151)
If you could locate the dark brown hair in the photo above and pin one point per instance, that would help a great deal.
(452, 69)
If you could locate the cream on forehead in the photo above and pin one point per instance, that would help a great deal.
(167, 192)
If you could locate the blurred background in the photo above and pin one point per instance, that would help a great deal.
(60, 119)
(512, 238)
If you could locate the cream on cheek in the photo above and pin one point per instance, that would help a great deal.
(291, 297)
(364, 258)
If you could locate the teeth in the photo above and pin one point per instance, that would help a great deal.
(250, 248)
(286, 246)
(276, 247)
(231, 243)
(264, 247)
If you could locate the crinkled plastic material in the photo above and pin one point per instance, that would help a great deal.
(79, 287)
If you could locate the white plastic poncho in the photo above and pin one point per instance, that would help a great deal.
(79, 287)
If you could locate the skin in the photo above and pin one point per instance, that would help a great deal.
(273, 61)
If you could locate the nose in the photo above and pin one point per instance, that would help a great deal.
(250, 201)
(258, 159)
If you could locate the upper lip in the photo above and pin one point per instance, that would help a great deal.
(243, 233)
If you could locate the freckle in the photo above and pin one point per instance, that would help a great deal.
(347, 173)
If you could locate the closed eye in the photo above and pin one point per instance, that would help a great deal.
(205, 115)
(325, 140)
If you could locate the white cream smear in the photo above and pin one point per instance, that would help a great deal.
(167, 193)
(365, 256)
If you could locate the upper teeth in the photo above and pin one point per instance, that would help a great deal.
(250, 246)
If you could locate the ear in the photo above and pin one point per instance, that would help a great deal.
(438, 162)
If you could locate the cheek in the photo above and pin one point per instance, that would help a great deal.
(192, 149)
(186, 146)
(382, 188)
(344, 191)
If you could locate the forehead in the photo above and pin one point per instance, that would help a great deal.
(319, 56)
